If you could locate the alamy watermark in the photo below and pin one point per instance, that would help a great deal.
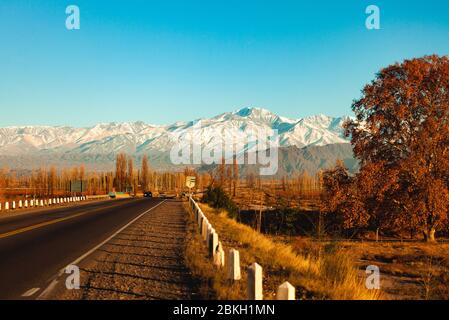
(203, 145)
(372, 22)
(73, 280)
(73, 20)
(372, 281)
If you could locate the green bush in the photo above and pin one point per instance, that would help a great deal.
(217, 198)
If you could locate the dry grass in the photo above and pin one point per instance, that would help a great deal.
(326, 275)
(408, 270)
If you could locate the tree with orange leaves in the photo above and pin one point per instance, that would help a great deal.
(401, 138)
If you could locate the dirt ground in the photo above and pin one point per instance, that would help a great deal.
(145, 261)
(407, 270)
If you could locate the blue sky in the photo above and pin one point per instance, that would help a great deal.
(164, 61)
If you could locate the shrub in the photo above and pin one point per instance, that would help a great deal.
(217, 198)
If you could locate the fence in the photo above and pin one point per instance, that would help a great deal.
(37, 203)
(231, 263)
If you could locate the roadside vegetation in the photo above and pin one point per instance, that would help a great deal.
(299, 228)
(325, 274)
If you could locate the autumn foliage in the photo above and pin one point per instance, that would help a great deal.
(400, 136)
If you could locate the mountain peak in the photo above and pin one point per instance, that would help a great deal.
(248, 111)
(106, 138)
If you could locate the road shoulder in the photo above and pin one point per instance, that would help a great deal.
(144, 261)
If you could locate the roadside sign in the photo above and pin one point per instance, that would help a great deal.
(190, 181)
(78, 186)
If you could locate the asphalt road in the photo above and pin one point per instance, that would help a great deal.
(36, 245)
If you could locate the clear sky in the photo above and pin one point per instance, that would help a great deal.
(164, 61)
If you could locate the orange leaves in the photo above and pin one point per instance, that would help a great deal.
(401, 137)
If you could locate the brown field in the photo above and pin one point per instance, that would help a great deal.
(418, 271)
(315, 277)
(275, 194)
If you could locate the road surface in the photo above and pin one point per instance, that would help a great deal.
(144, 261)
(35, 246)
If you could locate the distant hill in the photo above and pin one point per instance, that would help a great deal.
(294, 160)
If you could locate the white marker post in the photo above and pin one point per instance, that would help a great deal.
(213, 244)
(254, 286)
(233, 265)
(286, 292)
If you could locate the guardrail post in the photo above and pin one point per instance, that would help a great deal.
(286, 292)
(233, 265)
(219, 258)
(213, 243)
(200, 221)
(209, 231)
(254, 285)
(204, 229)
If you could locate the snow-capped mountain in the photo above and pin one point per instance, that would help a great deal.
(138, 137)
(29, 147)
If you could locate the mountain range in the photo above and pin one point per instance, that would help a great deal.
(28, 147)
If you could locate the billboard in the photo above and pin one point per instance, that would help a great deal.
(78, 186)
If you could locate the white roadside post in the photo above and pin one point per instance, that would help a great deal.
(213, 243)
(204, 229)
(210, 230)
(42, 203)
(195, 211)
(14, 205)
(6, 206)
(286, 292)
(200, 222)
(233, 265)
(20, 204)
(31, 203)
(26, 203)
(254, 286)
(219, 258)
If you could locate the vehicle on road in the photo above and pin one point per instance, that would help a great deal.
(148, 194)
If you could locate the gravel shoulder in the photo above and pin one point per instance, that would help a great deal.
(146, 261)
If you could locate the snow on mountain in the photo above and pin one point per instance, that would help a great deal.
(138, 137)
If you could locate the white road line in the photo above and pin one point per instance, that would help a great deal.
(47, 290)
(53, 283)
(30, 292)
